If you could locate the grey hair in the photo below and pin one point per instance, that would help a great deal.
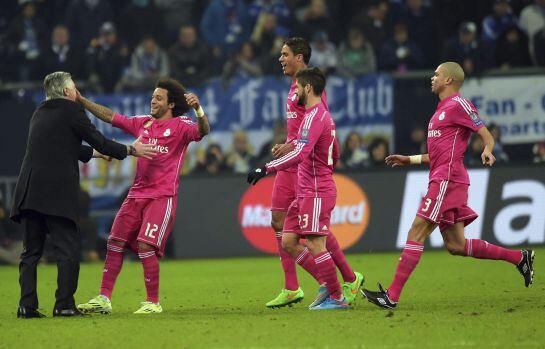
(55, 83)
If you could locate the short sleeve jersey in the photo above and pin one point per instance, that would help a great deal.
(449, 130)
(314, 154)
(159, 176)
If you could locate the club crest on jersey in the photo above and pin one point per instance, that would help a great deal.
(475, 118)
(167, 132)
(442, 116)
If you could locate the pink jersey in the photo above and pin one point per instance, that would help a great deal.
(159, 176)
(450, 127)
(315, 153)
(294, 115)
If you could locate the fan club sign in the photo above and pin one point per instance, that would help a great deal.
(349, 219)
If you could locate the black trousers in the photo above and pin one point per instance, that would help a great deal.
(66, 240)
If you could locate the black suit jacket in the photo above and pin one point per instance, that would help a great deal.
(49, 179)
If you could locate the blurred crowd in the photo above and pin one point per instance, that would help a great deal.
(126, 44)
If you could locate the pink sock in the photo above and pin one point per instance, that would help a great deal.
(338, 257)
(151, 274)
(481, 249)
(288, 264)
(407, 262)
(327, 269)
(306, 261)
(112, 267)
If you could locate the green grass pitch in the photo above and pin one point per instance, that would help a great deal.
(450, 302)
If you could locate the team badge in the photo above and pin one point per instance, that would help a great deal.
(167, 132)
(442, 116)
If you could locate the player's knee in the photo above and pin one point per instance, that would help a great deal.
(455, 248)
(288, 246)
(143, 247)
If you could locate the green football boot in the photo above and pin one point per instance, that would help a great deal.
(149, 308)
(100, 304)
(351, 289)
(286, 297)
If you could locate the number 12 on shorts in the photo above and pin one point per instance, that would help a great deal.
(149, 232)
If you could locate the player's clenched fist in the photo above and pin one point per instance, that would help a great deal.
(256, 174)
(192, 100)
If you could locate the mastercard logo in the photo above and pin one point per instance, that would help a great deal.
(349, 219)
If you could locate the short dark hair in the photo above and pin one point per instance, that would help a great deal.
(176, 95)
(313, 77)
(299, 46)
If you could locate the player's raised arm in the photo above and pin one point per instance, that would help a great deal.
(202, 120)
(103, 113)
(488, 141)
(396, 160)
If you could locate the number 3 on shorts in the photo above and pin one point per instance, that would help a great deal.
(303, 221)
(149, 232)
(427, 205)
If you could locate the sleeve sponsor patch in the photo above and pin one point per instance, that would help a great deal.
(475, 118)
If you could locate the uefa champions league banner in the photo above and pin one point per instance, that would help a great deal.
(516, 104)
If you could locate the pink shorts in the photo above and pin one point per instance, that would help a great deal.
(309, 216)
(146, 220)
(284, 190)
(446, 204)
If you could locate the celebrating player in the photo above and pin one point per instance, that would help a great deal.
(147, 215)
(295, 55)
(445, 204)
(310, 213)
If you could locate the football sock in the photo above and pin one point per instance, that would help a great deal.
(288, 264)
(407, 262)
(338, 257)
(306, 261)
(327, 269)
(151, 274)
(112, 267)
(481, 249)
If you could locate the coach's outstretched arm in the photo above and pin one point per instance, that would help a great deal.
(396, 160)
(103, 113)
(202, 120)
(488, 141)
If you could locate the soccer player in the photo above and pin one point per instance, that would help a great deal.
(310, 213)
(295, 55)
(445, 203)
(147, 215)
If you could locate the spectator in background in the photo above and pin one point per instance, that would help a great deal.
(11, 244)
(239, 159)
(279, 137)
(315, 17)
(225, 25)
(532, 20)
(539, 47)
(148, 63)
(417, 144)
(473, 156)
(189, 58)
(26, 37)
(140, 18)
(379, 150)
(499, 152)
(60, 56)
(278, 8)
(353, 155)
(496, 23)
(178, 13)
(399, 53)
(539, 153)
(107, 57)
(374, 23)
(264, 33)
(422, 29)
(243, 65)
(512, 49)
(465, 49)
(356, 56)
(212, 161)
(324, 53)
(84, 19)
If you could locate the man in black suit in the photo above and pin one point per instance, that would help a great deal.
(46, 196)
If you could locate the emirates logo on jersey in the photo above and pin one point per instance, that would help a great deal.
(434, 133)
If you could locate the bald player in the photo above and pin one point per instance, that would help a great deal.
(445, 204)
